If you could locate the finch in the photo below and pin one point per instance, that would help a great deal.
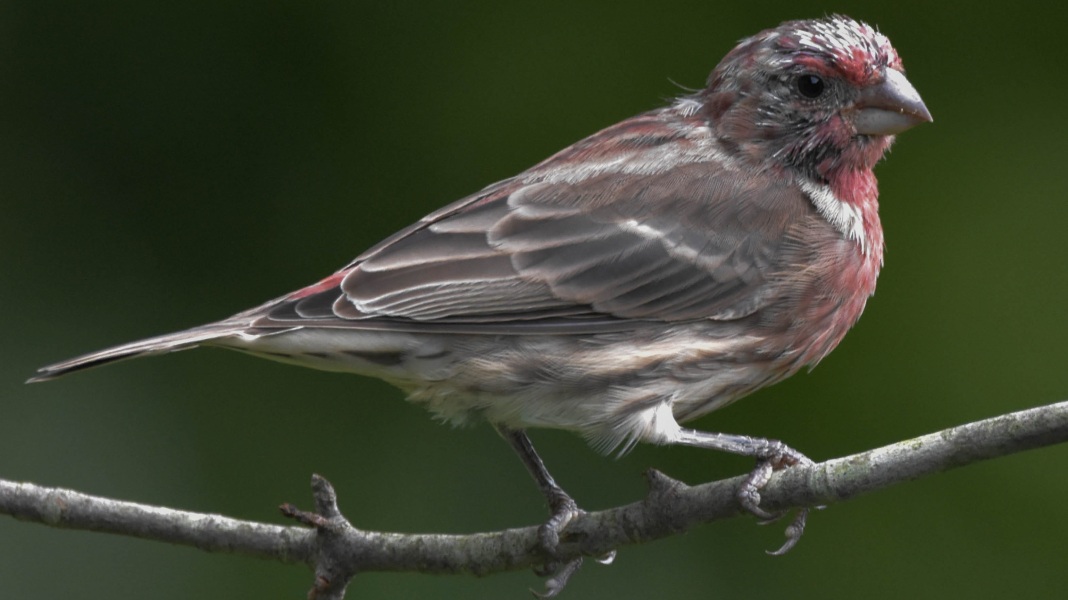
(644, 276)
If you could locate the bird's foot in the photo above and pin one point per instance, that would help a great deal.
(772, 456)
(564, 511)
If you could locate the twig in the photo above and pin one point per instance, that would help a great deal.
(337, 551)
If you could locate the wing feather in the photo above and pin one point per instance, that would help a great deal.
(594, 251)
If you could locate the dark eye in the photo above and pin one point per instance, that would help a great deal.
(810, 86)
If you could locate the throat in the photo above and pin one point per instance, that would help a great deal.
(849, 201)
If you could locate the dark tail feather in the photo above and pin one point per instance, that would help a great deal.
(171, 342)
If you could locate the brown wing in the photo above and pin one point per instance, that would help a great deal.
(690, 242)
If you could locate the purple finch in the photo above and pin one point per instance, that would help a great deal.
(644, 276)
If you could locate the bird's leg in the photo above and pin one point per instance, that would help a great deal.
(771, 456)
(563, 507)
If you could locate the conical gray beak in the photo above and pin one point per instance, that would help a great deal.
(889, 107)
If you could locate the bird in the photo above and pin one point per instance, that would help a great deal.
(655, 271)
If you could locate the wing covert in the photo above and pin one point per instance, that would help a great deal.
(683, 243)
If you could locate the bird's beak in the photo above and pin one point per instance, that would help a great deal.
(889, 107)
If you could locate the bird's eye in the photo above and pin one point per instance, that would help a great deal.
(810, 86)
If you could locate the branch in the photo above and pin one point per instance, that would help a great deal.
(337, 551)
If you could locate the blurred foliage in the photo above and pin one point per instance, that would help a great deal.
(166, 164)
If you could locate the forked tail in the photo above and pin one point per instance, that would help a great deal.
(182, 340)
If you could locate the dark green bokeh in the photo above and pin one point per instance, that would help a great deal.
(166, 164)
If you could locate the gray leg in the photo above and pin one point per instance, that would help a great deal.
(562, 506)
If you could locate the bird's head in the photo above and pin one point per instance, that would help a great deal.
(817, 95)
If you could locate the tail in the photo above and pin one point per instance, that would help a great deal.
(172, 342)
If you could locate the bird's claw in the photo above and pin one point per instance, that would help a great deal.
(748, 493)
(558, 576)
(774, 457)
(564, 511)
(794, 532)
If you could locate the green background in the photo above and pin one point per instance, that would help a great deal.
(167, 164)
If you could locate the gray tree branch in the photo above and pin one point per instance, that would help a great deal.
(337, 551)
